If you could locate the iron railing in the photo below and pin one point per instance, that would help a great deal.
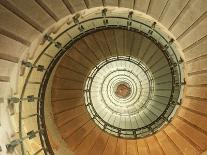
(88, 26)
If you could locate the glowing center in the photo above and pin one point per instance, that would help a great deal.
(123, 90)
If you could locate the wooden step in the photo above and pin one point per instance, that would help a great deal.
(86, 144)
(110, 146)
(99, 146)
(168, 146)
(66, 116)
(184, 145)
(71, 126)
(143, 147)
(77, 137)
(132, 148)
(197, 138)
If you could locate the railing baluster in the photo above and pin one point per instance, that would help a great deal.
(30, 135)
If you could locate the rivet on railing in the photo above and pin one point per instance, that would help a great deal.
(86, 90)
(105, 21)
(180, 61)
(165, 119)
(89, 104)
(129, 22)
(76, 21)
(29, 98)
(179, 103)
(30, 65)
(56, 43)
(119, 132)
(94, 117)
(180, 83)
(48, 38)
(151, 129)
(168, 44)
(134, 133)
(152, 28)
(173, 103)
(104, 126)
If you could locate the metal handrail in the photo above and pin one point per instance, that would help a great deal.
(40, 106)
(105, 124)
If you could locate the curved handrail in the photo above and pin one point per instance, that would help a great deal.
(40, 106)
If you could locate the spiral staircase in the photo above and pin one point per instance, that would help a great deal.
(103, 77)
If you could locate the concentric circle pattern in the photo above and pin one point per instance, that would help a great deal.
(119, 95)
(122, 89)
(129, 91)
(65, 43)
(121, 72)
